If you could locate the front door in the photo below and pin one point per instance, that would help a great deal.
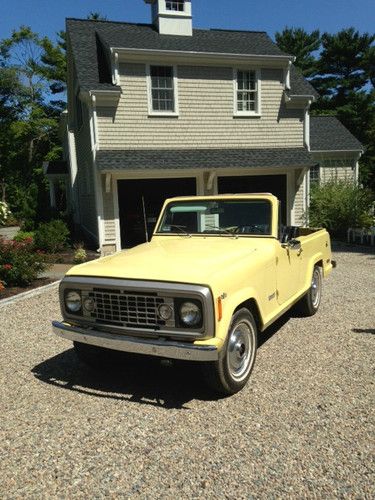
(288, 271)
(140, 202)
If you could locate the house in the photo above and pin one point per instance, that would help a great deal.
(162, 109)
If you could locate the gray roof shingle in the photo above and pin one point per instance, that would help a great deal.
(90, 38)
(202, 158)
(327, 133)
(299, 85)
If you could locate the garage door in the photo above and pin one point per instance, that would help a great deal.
(274, 184)
(140, 202)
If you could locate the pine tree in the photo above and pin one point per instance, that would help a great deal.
(302, 45)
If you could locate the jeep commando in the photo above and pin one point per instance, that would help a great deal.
(217, 272)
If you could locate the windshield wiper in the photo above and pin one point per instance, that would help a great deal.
(182, 229)
(222, 229)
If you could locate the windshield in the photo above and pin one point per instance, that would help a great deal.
(224, 217)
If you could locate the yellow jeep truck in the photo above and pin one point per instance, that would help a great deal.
(217, 272)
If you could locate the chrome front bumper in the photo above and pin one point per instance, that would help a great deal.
(151, 347)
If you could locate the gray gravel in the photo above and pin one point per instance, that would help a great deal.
(303, 427)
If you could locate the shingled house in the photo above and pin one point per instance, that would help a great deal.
(162, 109)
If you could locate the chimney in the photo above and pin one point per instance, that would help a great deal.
(172, 17)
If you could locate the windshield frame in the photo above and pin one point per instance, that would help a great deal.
(157, 231)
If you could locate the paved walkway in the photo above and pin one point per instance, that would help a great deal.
(9, 232)
(57, 271)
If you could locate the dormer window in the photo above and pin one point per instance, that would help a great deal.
(177, 5)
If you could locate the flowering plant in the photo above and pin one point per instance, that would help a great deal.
(4, 212)
(19, 263)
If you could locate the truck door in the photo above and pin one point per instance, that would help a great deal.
(288, 269)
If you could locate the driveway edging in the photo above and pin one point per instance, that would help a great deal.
(29, 294)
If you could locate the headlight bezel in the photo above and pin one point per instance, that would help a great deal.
(69, 310)
(180, 323)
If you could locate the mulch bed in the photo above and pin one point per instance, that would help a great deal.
(15, 290)
(67, 256)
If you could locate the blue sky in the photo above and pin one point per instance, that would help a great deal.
(47, 16)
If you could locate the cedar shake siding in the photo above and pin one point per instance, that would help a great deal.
(206, 118)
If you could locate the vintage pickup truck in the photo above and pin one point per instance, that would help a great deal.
(217, 272)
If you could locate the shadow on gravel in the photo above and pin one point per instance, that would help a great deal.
(364, 330)
(137, 379)
(134, 378)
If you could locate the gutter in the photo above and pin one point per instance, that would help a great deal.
(213, 55)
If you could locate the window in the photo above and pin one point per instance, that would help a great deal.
(314, 175)
(177, 5)
(162, 91)
(247, 89)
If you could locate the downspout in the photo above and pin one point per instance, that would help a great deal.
(96, 174)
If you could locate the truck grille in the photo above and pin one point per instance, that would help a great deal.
(126, 308)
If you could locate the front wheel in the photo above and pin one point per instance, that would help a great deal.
(310, 302)
(231, 372)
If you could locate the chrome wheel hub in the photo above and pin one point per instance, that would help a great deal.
(315, 288)
(240, 350)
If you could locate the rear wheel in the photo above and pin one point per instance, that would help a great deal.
(231, 372)
(310, 302)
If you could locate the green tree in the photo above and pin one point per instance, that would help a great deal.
(342, 65)
(302, 45)
(28, 121)
(96, 16)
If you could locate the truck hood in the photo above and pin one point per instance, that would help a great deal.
(175, 259)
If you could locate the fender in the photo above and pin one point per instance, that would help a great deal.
(230, 304)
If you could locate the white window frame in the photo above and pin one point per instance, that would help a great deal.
(175, 2)
(315, 175)
(151, 111)
(258, 111)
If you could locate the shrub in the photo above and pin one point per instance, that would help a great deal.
(338, 205)
(52, 236)
(19, 263)
(24, 235)
(80, 254)
(4, 212)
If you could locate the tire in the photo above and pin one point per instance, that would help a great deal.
(231, 372)
(310, 302)
(93, 356)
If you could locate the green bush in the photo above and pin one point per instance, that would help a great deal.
(24, 235)
(338, 205)
(52, 236)
(19, 263)
(80, 255)
(4, 213)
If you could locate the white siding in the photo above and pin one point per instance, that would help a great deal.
(205, 97)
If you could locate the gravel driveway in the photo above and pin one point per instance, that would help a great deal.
(303, 427)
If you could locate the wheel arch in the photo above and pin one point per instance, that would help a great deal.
(252, 306)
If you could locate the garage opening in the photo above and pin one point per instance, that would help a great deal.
(140, 202)
(274, 184)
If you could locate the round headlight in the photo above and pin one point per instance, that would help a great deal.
(165, 312)
(89, 304)
(73, 301)
(190, 313)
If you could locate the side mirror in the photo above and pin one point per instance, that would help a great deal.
(292, 245)
(295, 244)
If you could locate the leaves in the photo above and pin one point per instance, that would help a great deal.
(302, 45)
